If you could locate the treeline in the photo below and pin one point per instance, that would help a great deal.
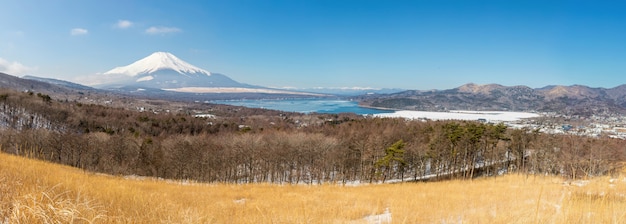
(27, 110)
(290, 148)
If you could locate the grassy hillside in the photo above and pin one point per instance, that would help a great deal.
(40, 192)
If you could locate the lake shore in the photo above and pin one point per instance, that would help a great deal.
(378, 108)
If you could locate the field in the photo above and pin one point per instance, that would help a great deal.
(39, 192)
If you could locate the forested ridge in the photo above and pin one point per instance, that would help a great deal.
(250, 145)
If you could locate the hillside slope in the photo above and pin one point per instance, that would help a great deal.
(570, 100)
(39, 192)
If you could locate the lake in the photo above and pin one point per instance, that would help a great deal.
(331, 106)
(324, 106)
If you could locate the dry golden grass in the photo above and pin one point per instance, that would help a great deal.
(39, 192)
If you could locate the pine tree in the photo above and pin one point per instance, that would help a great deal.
(393, 154)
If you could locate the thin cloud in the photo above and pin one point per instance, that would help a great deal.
(78, 31)
(98, 79)
(162, 30)
(17, 33)
(123, 24)
(14, 68)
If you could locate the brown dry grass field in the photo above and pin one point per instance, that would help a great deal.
(39, 192)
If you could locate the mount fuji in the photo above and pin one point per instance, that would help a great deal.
(162, 70)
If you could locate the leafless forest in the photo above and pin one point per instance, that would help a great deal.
(246, 145)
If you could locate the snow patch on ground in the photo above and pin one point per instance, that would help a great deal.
(205, 116)
(385, 217)
(580, 183)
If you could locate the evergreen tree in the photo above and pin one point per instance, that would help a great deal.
(393, 155)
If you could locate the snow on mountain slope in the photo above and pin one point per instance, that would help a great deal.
(145, 78)
(158, 61)
(162, 70)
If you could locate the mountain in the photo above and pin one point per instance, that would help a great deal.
(21, 84)
(163, 73)
(572, 100)
(158, 61)
(56, 89)
(162, 70)
(58, 82)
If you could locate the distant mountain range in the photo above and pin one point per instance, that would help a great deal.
(572, 100)
(164, 76)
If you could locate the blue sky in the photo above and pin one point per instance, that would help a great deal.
(328, 43)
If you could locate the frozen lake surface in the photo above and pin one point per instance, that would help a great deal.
(330, 106)
(461, 115)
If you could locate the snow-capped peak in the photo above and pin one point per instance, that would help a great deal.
(158, 61)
